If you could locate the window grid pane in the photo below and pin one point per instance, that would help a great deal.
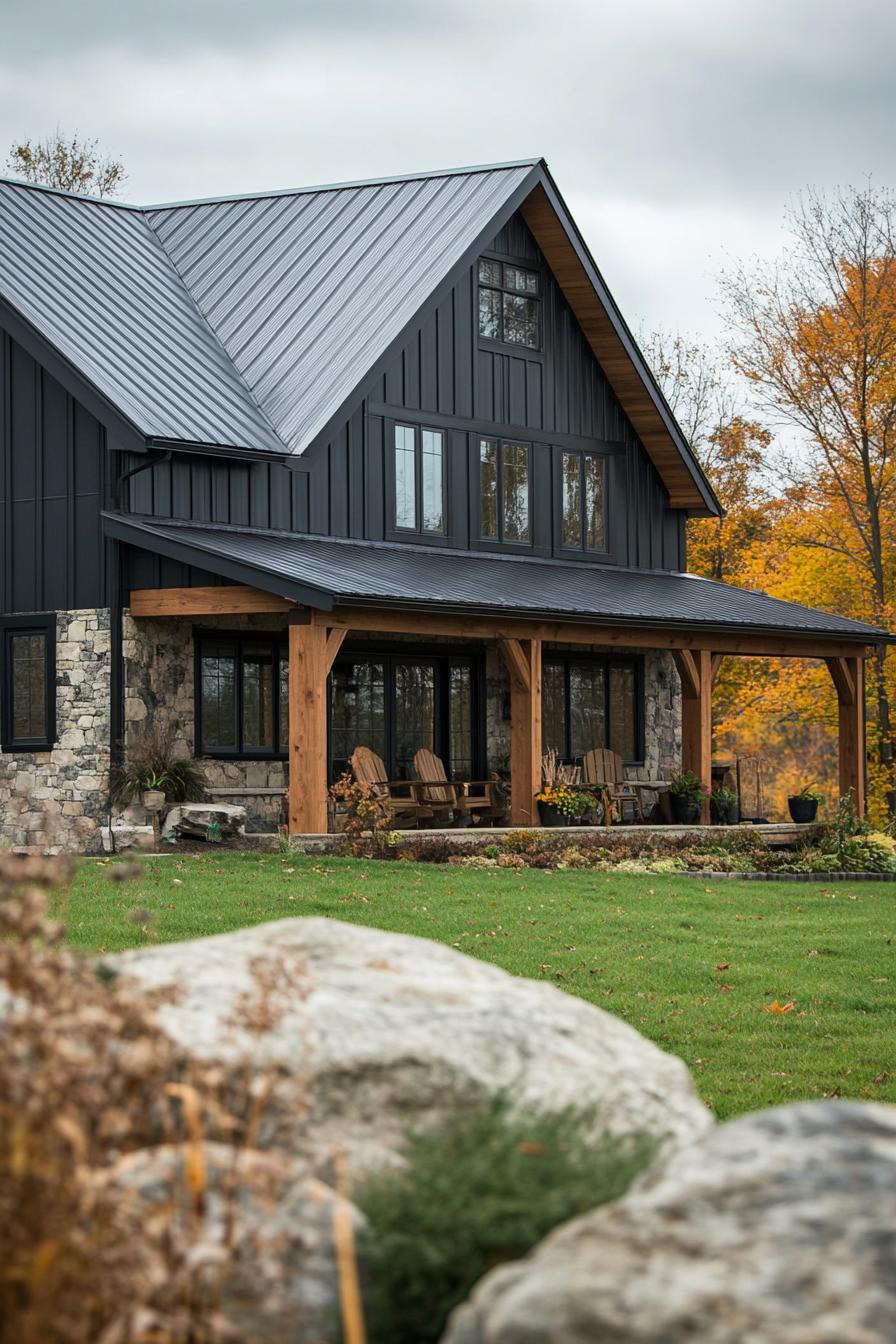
(553, 708)
(415, 701)
(623, 711)
(490, 273)
(258, 697)
(433, 481)
(572, 500)
(488, 488)
(357, 710)
(522, 282)
(593, 470)
(490, 313)
(520, 320)
(28, 655)
(218, 692)
(405, 478)
(587, 707)
(283, 695)
(515, 485)
(460, 720)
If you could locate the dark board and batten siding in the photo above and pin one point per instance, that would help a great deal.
(445, 377)
(53, 473)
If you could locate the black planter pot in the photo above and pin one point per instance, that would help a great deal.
(802, 809)
(551, 816)
(723, 814)
(684, 811)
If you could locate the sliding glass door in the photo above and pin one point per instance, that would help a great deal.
(397, 703)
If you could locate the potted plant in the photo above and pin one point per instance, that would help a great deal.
(686, 794)
(723, 807)
(561, 805)
(153, 773)
(803, 806)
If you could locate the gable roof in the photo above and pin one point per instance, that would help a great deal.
(252, 322)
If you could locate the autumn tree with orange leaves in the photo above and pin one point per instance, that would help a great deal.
(815, 336)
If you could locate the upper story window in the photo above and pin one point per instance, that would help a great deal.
(504, 493)
(419, 472)
(582, 501)
(508, 303)
(29, 683)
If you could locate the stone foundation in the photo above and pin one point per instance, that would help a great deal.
(56, 801)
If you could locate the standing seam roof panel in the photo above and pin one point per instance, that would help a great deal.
(95, 282)
(305, 291)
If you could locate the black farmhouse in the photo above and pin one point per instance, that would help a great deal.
(370, 464)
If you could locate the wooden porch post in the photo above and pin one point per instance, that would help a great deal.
(848, 676)
(523, 658)
(308, 668)
(696, 672)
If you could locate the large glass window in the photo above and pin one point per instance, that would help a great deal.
(396, 704)
(508, 303)
(504, 490)
(419, 472)
(243, 696)
(29, 690)
(583, 525)
(591, 702)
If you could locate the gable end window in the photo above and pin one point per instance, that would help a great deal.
(508, 303)
(504, 495)
(583, 525)
(419, 474)
(29, 683)
(242, 693)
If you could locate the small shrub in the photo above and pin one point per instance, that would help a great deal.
(366, 821)
(151, 762)
(474, 1194)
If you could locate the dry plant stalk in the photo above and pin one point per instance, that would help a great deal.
(85, 1078)
(555, 772)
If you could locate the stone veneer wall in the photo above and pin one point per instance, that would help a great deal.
(159, 684)
(57, 800)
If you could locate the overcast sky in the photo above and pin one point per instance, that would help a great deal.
(676, 131)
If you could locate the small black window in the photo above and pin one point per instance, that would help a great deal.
(29, 683)
(504, 495)
(582, 502)
(242, 696)
(590, 702)
(419, 470)
(508, 303)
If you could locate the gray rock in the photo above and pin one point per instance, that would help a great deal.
(124, 834)
(778, 1228)
(194, 819)
(280, 1281)
(374, 1032)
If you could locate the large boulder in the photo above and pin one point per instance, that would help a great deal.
(371, 1033)
(265, 1236)
(780, 1226)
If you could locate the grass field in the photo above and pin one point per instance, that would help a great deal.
(691, 963)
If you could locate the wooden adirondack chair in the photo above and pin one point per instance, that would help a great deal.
(604, 769)
(397, 796)
(476, 800)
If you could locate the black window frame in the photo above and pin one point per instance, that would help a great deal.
(518, 264)
(280, 652)
(582, 551)
(636, 663)
(44, 624)
(500, 540)
(396, 532)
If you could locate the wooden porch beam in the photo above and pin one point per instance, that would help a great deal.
(386, 621)
(524, 664)
(848, 676)
(335, 640)
(219, 600)
(307, 728)
(688, 672)
(716, 666)
(696, 725)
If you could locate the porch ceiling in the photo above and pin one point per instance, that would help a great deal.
(325, 573)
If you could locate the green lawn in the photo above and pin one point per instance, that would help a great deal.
(688, 962)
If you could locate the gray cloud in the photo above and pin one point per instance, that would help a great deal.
(676, 132)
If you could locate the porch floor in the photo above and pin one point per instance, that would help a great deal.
(776, 834)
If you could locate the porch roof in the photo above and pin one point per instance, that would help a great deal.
(326, 572)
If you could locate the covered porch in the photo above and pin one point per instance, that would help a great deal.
(316, 643)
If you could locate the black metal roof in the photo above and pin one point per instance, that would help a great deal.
(324, 572)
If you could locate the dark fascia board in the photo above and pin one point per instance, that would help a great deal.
(227, 450)
(628, 341)
(141, 533)
(119, 428)
(432, 301)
